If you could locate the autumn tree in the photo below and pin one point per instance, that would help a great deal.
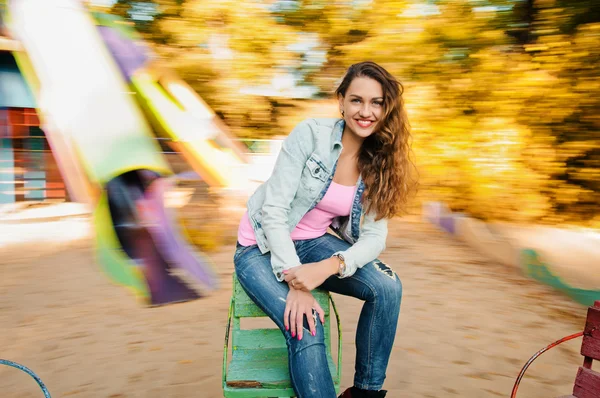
(503, 95)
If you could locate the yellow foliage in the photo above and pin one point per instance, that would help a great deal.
(504, 112)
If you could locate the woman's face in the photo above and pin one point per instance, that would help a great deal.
(362, 106)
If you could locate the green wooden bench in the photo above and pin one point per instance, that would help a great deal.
(259, 359)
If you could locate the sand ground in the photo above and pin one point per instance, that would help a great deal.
(466, 327)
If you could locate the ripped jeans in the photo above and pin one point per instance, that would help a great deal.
(375, 283)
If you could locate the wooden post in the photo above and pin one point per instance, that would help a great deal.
(587, 382)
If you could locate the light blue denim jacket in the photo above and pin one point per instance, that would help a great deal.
(301, 176)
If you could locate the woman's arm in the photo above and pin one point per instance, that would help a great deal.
(366, 249)
(280, 190)
(368, 246)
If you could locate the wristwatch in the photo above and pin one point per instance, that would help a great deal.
(342, 266)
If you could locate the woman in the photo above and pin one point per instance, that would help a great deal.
(350, 174)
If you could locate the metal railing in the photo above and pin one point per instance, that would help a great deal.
(29, 372)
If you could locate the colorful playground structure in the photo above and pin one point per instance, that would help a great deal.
(89, 85)
(567, 260)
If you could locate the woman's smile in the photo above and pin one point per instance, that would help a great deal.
(365, 124)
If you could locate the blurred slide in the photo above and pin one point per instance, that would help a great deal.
(82, 93)
(171, 236)
(120, 221)
(174, 109)
(566, 259)
(486, 240)
(571, 255)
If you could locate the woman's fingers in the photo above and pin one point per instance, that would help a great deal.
(286, 316)
(298, 306)
(299, 324)
(293, 320)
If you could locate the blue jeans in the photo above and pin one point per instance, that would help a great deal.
(375, 283)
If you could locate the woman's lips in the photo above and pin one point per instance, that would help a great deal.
(364, 123)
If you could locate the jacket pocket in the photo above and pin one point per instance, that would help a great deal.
(259, 232)
(317, 168)
(256, 219)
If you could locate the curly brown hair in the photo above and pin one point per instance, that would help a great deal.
(384, 159)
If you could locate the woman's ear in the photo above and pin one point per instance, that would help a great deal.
(341, 102)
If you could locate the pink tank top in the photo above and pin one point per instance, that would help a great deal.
(336, 202)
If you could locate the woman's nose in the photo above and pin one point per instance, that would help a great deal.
(364, 110)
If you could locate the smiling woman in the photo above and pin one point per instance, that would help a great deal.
(371, 103)
(350, 175)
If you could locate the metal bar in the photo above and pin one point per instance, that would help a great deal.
(29, 372)
(227, 341)
(339, 328)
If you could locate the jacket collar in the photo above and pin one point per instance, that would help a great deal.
(338, 130)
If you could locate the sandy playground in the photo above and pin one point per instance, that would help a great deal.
(466, 326)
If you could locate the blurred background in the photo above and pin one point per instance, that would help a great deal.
(132, 133)
(502, 95)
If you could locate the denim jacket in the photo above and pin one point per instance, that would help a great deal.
(302, 174)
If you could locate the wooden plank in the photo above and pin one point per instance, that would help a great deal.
(259, 368)
(236, 392)
(258, 339)
(31, 119)
(245, 307)
(264, 368)
(590, 346)
(15, 117)
(263, 339)
(55, 185)
(587, 384)
(60, 194)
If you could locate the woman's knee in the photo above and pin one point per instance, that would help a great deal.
(389, 286)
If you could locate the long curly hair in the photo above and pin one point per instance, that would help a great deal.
(384, 160)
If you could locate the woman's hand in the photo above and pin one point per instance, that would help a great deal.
(311, 275)
(298, 305)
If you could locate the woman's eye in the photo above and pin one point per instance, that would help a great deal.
(356, 100)
(378, 103)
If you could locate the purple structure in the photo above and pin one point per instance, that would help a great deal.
(167, 237)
